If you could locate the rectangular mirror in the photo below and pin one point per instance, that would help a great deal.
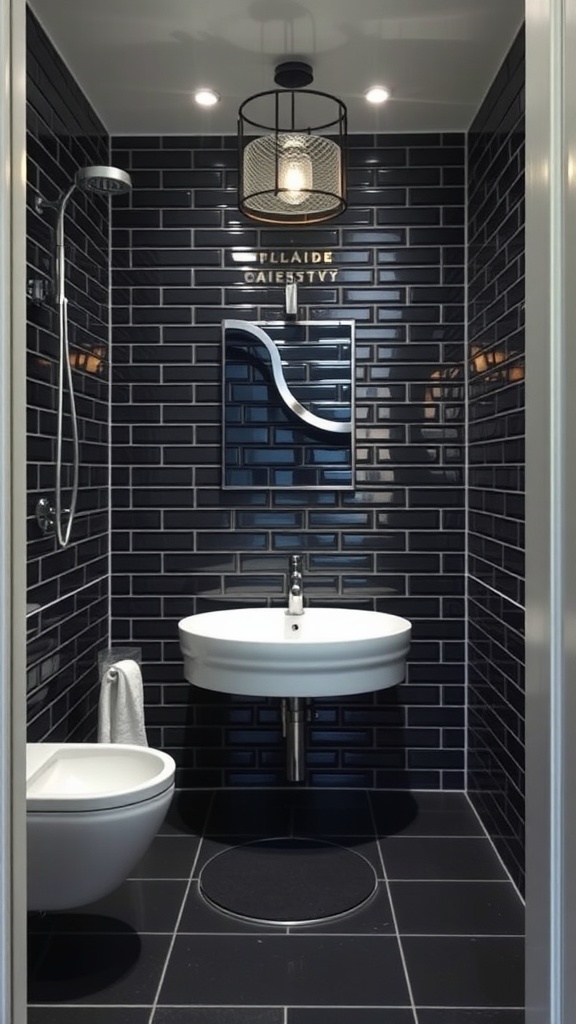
(288, 405)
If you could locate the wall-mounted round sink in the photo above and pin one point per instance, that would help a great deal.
(265, 652)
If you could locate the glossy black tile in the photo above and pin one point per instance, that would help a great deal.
(430, 156)
(160, 198)
(138, 905)
(470, 1016)
(137, 219)
(457, 908)
(379, 196)
(333, 970)
(168, 857)
(350, 1015)
(444, 236)
(187, 813)
(480, 972)
(217, 1015)
(92, 968)
(338, 813)
(250, 813)
(160, 239)
(425, 858)
(424, 814)
(89, 1014)
(408, 215)
(168, 158)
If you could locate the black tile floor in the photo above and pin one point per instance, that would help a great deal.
(441, 941)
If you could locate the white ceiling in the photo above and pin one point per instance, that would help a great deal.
(139, 60)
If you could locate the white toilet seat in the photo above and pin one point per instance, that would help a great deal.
(72, 777)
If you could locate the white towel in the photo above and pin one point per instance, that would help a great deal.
(121, 706)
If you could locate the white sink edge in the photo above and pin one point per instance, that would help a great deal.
(277, 662)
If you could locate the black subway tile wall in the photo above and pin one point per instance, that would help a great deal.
(67, 588)
(183, 261)
(496, 460)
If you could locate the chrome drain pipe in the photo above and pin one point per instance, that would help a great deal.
(293, 722)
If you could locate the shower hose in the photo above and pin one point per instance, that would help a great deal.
(63, 526)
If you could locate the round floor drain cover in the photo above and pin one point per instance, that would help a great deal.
(287, 881)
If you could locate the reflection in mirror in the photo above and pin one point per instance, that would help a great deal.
(288, 405)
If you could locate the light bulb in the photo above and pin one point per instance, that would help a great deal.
(377, 94)
(294, 172)
(206, 97)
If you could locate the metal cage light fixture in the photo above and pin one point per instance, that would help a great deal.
(292, 144)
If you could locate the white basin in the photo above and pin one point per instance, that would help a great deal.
(265, 652)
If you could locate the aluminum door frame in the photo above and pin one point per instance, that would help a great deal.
(12, 513)
(551, 512)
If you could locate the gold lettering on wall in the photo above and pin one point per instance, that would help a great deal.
(289, 276)
(311, 259)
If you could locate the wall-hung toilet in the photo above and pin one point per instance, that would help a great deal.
(92, 810)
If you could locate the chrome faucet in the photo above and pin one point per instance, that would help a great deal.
(295, 586)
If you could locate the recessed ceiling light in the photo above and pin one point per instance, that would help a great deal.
(377, 94)
(206, 97)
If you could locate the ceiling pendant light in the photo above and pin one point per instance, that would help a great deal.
(292, 144)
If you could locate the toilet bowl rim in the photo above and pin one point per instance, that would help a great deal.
(42, 757)
(88, 807)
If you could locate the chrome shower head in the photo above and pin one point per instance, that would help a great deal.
(107, 180)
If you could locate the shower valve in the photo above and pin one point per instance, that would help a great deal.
(37, 290)
(46, 515)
